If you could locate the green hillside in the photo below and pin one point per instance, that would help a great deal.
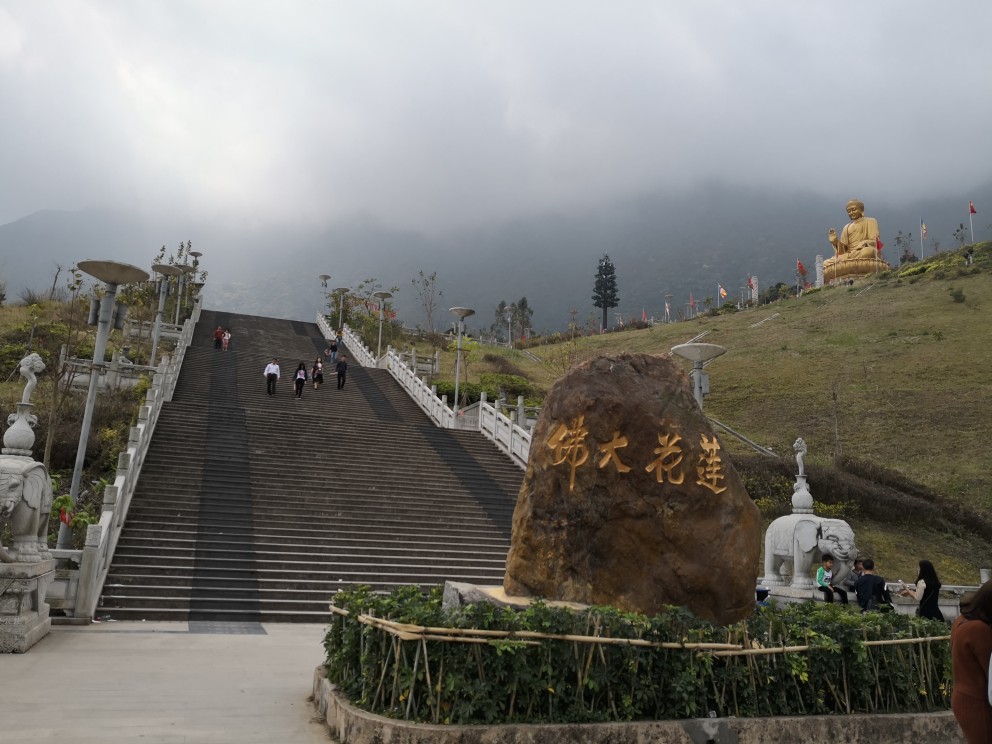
(891, 375)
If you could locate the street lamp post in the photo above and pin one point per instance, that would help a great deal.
(509, 326)
(462, 313)
(188, 272)
(343, 291)
(698, 354)
(165, 271)
(196, 266)
(112, 273)
(383, 295)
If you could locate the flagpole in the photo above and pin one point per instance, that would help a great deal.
(971, 222)
(923, 248)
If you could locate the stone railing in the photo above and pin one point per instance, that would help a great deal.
(358, 350)
(77, 591)
(513, 440)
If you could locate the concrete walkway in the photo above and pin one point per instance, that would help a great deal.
(164, 682)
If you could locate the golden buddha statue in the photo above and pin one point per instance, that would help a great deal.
(856, 251)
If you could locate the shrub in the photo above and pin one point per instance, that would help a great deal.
(559, 673)
(956, 294)
(512, 385)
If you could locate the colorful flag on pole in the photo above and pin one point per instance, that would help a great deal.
(692, 302)
(879, 245)
(750, 283)
(723, 292)
(923, 228)
(800, 268)
(644, 315)
(971, 208)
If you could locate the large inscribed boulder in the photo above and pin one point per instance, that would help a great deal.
(629, 499)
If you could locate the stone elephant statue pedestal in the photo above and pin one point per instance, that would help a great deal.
(24, 616)
(26, 566)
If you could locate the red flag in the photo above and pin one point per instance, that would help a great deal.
(65, 516)
(971, 208)
(644, 315)
(750, 285)
(879, 245)
(692, 302)
(800, 268)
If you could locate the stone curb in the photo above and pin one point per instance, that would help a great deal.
(349, 725)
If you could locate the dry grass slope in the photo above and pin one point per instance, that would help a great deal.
(893, 371)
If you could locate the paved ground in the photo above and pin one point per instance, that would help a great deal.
(164, 683)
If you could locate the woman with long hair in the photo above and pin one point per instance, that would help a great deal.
(926, 591)
(300, 379)
(971, 648)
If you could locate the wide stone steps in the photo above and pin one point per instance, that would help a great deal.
(254, 507)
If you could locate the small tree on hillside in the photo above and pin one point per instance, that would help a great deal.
(604, 293)
(904, 241)
(428, 294)
(522, 316)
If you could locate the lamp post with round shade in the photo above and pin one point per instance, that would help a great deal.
(166, 271)
(342, 292)
(112, 274)
(383, 295)
(699, 355)
(509, 328)
(461, 313)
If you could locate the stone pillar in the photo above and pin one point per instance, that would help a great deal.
(819, 271)
(24, 616)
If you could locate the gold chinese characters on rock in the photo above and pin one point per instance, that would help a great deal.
(570, 447)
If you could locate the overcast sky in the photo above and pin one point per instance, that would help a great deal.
(438, 114)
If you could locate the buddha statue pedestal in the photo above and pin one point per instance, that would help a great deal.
(852, 268)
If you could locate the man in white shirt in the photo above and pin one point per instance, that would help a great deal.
(271, 376)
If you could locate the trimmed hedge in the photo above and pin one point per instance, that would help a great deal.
(518, 680)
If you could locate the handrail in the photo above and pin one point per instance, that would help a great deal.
(512, 439)
(101, 538)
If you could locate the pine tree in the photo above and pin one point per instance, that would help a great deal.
(605, 291)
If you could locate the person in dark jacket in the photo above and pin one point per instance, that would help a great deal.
(342, 369)
(871, 590)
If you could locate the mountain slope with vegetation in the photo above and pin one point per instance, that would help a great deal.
(886, 380)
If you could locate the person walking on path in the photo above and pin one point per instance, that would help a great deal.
(225, 339)
(334, 351)
(317, 373)
(271, 376)
(218, 337)
(927, 591)
(971, 648)
(342, 369)
(300, 379)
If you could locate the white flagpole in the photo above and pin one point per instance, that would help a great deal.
(923, 249)
(971, 223)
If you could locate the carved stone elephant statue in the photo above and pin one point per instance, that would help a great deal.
(795, 542)
(25, 504)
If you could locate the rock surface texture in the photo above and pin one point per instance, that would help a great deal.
(629, 499)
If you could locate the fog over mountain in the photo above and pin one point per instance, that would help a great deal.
(506, 146)
(660, 244)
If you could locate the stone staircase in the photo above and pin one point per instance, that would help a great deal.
(256, 508)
